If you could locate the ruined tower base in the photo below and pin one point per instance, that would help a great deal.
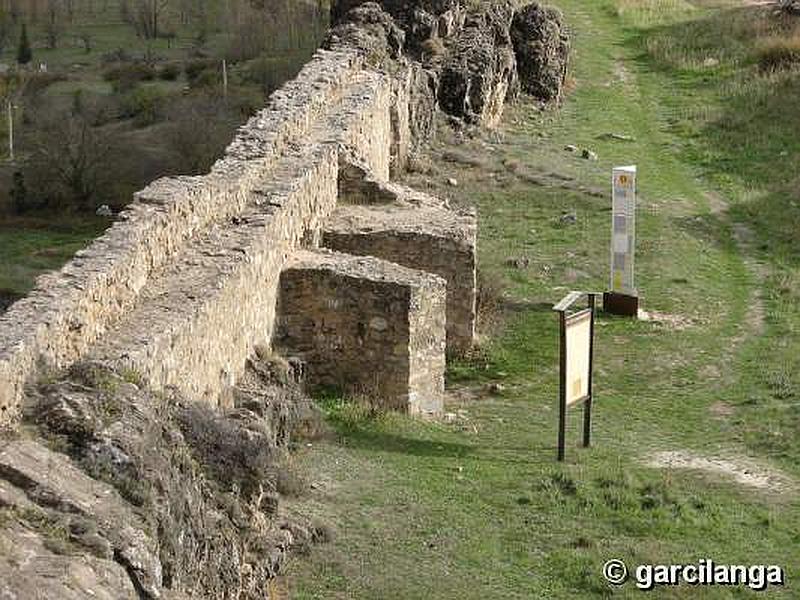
(417, 231)
(365, 326)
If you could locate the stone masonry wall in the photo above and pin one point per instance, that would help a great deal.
(339, 313)
(333, 98)
(420, 232)
(199, 321)
(70, 309)
(183, 286)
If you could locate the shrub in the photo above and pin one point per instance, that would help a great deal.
(208, 78)
(169, 72)
(37, 83)
(125, 77)
(778, 52)
(19, 193)
(144, 105)
(195, 68)
(116, 56)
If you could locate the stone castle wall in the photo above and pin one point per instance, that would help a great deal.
(341, 312)
(184, 285)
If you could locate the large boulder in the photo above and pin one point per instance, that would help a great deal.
(542, 49)
(421, 20)
(371, 30)
(480, 74)
(465, 58)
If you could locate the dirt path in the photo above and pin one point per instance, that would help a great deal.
(745, 238)
(742, 470)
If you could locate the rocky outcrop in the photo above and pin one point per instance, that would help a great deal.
(791, 7)
(542, 47)
(471, 58)
(479, 73)
(125, 493)
(370, 30)
(421, 20)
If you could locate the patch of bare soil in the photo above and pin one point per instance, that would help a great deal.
(721, 410)
(676, 322)
(745, 472)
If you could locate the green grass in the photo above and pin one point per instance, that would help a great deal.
(34, 245)
(480, 509)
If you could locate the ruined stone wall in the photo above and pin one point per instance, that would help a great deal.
(366, 326)
(414, 229)
(200, 320)
(70, 310)
(184, 286)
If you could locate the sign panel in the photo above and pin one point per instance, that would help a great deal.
(576, 348)
(578, 355)
(623, 230)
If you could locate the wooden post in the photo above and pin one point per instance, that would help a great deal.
(587, 406)
(562, 395)
(10, 108)
(224, 78)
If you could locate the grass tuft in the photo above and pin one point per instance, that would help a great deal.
(778, 52)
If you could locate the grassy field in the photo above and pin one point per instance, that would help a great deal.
(31, 246)
(478, 507)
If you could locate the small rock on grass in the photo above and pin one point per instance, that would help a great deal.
(569, 219)
(571, 148)
(589, 154)
(519, 263)
(495, 388)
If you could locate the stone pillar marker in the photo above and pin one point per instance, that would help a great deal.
(622, 297)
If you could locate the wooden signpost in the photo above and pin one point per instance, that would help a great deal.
(576, 358)
(622, 297)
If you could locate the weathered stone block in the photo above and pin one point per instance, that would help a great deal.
(419, 232)
(366, 326)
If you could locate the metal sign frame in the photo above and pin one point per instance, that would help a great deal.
(565, 320)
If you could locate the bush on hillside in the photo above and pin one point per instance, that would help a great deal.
(268, 72)
(195, 68)
(169, 72)
(125, 77)
(120, 55)
(36, 83)
(777, 53)
(144, 105)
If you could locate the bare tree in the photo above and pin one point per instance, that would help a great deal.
(196, 148)
(69, 160)
(53, 26)
(6, 29)
(147, 17)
